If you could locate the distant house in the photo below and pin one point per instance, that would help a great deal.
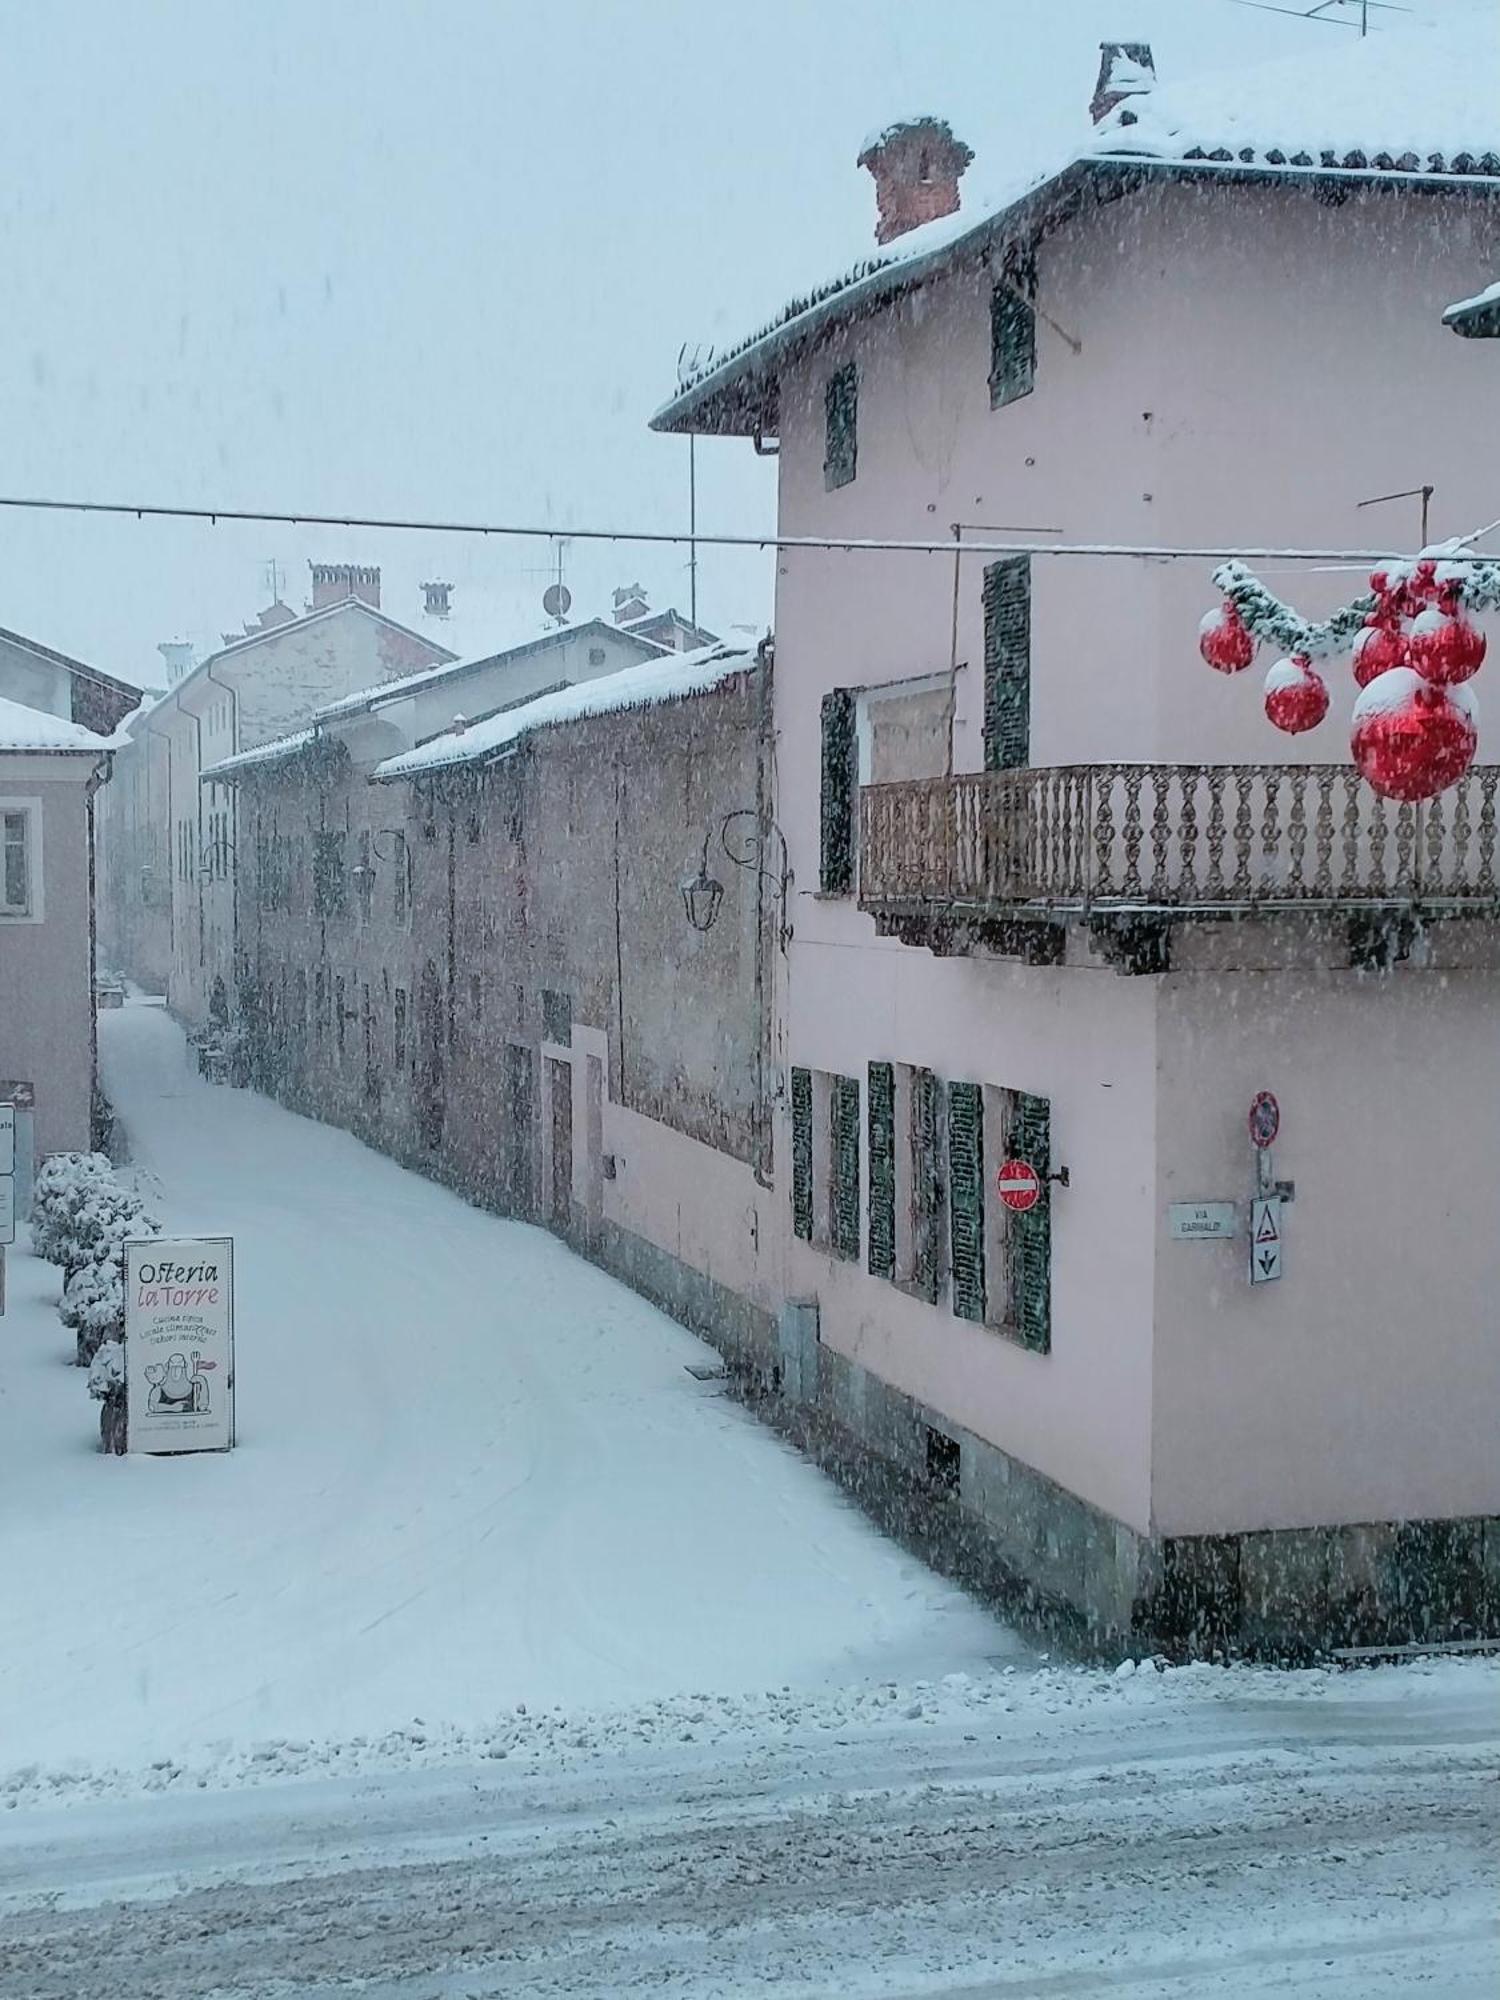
(50, 769)
(167, 842)
(632, 613)
(40, 678)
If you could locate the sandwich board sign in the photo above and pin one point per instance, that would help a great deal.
(179, 1343)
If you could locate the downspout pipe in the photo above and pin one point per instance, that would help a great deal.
(765, 1002)
(100, 775)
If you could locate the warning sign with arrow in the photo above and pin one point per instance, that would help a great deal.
(1265, 1241)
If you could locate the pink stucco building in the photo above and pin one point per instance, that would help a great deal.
(1064, 896)
(50, 769)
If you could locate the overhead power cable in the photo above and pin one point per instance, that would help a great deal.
(849, 545)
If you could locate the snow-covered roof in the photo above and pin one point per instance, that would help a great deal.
(410, 684)
(23, 728)
(1412, 101)
(1478, 317)
(674, 677)
(275, 752)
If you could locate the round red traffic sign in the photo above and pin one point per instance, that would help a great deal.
(1018, 1185)
(1265, 1119)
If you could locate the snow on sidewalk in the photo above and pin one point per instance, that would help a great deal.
(472, 1471)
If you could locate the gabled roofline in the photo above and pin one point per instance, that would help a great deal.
(738, 397)
(299, 625)
(95, 674)
(384, 693)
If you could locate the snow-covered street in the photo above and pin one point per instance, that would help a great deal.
(504, 1656)
(1201, 1832)
(472, 1470)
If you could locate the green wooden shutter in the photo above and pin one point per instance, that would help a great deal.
(845, 1108)
(882, 1123)
(1012, 339)
(841, 426)
(1029, 1236)
(836, 827)
(927, 1186)
(966, 1197)
(802, 1153)
(1007, 664)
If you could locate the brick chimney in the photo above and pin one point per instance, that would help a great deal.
(916, 165)
(436, 599)
(630, 604)
(333, 582)
(1125, 70)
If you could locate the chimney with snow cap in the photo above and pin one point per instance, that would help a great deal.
(1125, 70)
(916, 164)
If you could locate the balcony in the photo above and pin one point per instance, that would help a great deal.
(1007, 861)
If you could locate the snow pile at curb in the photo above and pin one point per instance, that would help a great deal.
(553, 1739)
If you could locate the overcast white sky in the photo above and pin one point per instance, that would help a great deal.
(437, 257)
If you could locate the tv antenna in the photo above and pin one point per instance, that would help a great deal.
(275, 577)
(692, 360)
(1332, 13)
(557, 599)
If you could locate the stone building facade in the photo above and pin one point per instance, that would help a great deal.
(484, 966)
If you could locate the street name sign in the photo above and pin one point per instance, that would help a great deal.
(7, 1208)
(179, 1343)
(1203, 1221)
(7, 1138)
(1265, 1241)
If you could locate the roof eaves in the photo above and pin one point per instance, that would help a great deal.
(739, 395)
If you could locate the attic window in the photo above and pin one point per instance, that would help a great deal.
(841, 411)
(596, 656)
(1012, 337)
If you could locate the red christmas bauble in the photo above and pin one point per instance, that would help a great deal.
(1411, 738)
(1296, 696)
(1378, 648)
(1225, 640)
(1446, 646)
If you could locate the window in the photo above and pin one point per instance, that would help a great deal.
(329, 884)
(880, 1097)
(364, 876)
(904, 730)
(841, 415)
(400, 877)
(825, 1171)
(1007, 664)
(966, 1198)
(843, 1111)
(1012, 337)
(18, 870)
(837, 794)
(802, 1153)
(398, 1035)
(557, 1018)
(1001, 1261)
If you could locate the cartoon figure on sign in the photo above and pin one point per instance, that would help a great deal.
(175, 1392)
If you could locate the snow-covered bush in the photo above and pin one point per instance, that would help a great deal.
(107, 1386)
(107, 1370)
(93, 1305)
(63, 1183)
(97, 1228)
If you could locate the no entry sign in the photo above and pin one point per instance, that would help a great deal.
(1018, 1185)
